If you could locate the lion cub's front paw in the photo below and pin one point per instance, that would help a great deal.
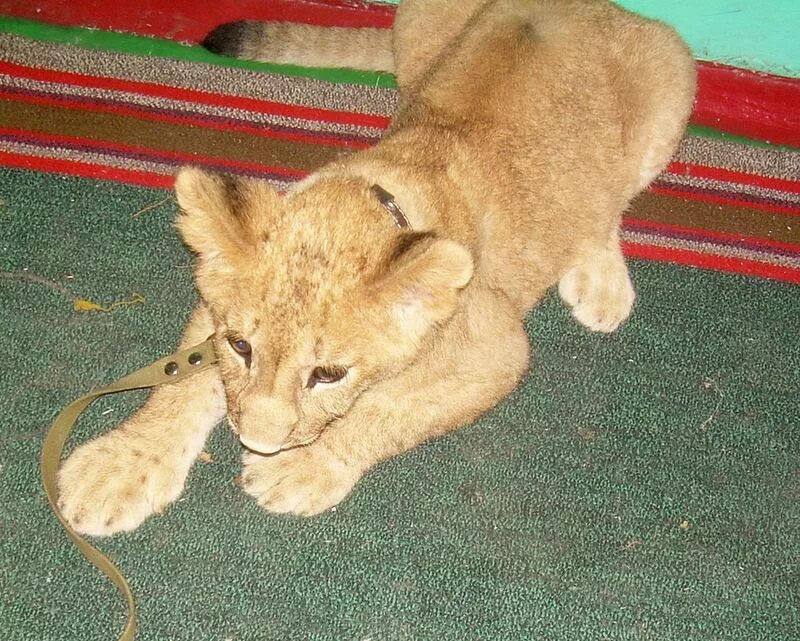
(304, 481)
(112, 484)
(599, 292)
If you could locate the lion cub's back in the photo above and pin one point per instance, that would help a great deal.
(576, 83)
(573, 107)
(515, 54)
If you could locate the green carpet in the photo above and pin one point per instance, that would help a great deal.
(644, 485)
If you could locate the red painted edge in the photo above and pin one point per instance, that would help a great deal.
(191, 20)
(748, 103)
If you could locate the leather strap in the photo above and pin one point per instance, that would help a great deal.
(166, 370)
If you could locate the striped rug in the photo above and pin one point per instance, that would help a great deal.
(132, 109)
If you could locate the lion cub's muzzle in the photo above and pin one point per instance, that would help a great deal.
(267, 425)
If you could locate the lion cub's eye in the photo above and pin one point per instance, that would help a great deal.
(326, 375)
(242, 348)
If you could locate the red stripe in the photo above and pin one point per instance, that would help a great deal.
(134, 112)
(87, 170)
(192, 95)
(686, 194)
(100, 146)
(747, 103)
(718, 173)
(709, 261)
(707, 235)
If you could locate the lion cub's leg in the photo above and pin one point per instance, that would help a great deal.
(478, 360)
(599, 288)
(114, 482)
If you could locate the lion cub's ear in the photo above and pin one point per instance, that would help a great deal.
(223, 218)
(421, 287)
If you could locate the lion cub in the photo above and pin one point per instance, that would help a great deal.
(380, 302)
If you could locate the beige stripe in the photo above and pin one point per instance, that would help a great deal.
(776, 163)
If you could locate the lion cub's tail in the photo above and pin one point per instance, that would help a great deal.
(306, 45)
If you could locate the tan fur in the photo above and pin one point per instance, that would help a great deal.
(526, 127)
(313, 46)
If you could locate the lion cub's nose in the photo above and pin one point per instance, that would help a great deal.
(265, 424)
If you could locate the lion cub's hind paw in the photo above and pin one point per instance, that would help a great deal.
(600, 293)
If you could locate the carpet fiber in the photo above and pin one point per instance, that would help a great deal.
(643, 485)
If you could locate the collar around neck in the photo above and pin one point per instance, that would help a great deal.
(390, 204)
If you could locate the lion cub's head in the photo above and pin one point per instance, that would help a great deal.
(315, 296)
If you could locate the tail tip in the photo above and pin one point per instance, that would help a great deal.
(230, 39)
